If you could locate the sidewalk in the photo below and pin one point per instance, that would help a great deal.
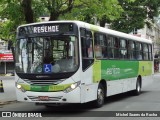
(9, 94)
(156, 72)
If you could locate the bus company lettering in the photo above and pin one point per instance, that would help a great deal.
(113, 71)
(45, 29)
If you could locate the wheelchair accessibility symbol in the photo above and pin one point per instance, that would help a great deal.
(47, 68)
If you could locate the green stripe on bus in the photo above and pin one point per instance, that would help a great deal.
(120, 69)
(97, 71)
(58, 87)
(93, 27)
(46, 88)
(145, 68)
(25, 87)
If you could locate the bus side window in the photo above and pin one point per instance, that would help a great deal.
(86, 48)
(97, 46)
(123, 49)
(145, 52)
(139, 55)
(116, 47)
(150, 52)
(131, 50)
(110, 45)
(100, 47)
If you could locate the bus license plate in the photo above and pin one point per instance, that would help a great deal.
(43, 98)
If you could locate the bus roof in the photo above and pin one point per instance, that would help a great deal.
(97, 28)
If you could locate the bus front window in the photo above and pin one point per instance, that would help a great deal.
(59, 53)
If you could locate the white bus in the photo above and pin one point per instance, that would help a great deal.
(76, 62)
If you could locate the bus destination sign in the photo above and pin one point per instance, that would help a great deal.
(46, 29)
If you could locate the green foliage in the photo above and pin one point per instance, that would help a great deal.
(125, 15)
(88, 10)
(11, 10)
(85, 10)
(5, 29)
(152, 8)
(135, 13)
(39, 9)
(14, 12)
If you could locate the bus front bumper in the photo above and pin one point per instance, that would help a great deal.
(49, 97)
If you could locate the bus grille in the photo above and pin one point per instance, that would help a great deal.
(34, 98)
(43, 82)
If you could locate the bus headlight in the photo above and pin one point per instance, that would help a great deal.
(72, 87)
(20, 87)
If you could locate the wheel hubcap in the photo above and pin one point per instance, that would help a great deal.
(138, 87)
(100, 96)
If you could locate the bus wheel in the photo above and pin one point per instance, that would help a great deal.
(100, 96)
(137, 91)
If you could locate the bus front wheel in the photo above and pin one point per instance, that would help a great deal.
(100, 96)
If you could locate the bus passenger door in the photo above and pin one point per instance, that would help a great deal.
(87, 88)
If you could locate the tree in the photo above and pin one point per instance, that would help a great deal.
(135, 13)
(59, 7)
(152, 8)
(11, 11)
(95, 10)
(27, 11)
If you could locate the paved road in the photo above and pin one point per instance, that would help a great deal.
(9, 93)
(149, 100)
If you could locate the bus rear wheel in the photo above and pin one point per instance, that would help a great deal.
(137, 91)
(100, 96)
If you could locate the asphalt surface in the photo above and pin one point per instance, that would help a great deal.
(9, 94)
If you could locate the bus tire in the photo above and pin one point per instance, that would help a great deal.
(137, 91)
(100, 96)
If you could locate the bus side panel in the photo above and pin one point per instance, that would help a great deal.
(119, 69)
(88, 88)
(145, 70)
(120, 75)
(114, 87)
(97, 70)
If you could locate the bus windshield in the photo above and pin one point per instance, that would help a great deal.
(45, 55)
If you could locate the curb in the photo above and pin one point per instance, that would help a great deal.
(156, 73)
(1, 87)
(7, 102)
(6, 75)
(7, 78)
